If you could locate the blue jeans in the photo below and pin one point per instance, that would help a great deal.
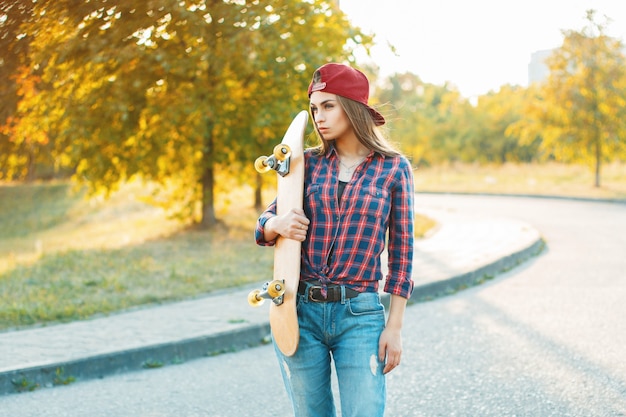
(348, 331)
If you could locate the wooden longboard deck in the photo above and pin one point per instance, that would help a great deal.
(283, 317)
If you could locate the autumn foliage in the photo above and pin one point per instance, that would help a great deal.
(173, 91)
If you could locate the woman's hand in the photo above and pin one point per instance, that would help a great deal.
(390, 342)
(390, 348)
(291, 225)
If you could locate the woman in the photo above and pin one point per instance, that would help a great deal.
(357, 188)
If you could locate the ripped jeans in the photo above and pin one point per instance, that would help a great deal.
(348, 331)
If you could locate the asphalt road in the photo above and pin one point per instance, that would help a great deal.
(545, 339)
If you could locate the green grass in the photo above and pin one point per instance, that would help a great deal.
(76, 284)
(89, 257)
(64, 257)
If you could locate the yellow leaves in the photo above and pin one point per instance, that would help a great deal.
(582, 102)
(159, 87)
(16, 167)
(27, 82)
(147, 121)
(166, 88)
(130, 142)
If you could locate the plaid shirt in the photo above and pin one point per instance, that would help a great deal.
(345, 241)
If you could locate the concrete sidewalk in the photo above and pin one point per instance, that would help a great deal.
(463, 251)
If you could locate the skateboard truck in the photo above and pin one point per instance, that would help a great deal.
(278, 161)
(273, 290)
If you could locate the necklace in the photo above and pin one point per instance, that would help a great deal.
(346, 171)
(350, 169)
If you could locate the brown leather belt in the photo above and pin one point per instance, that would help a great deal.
(314, 292)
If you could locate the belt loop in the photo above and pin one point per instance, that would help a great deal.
(343, 294)
(305, 297)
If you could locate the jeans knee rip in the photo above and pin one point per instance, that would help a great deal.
(286, 368)
(374, 364)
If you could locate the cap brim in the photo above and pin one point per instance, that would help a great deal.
(379, 120)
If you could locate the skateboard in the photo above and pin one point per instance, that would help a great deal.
(288, 161)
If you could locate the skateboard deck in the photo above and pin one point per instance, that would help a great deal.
(288, 161)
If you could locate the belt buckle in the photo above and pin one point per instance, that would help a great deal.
(310, 294)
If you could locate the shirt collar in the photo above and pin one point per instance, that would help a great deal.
(333, 152)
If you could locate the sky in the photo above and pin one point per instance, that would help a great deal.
(476, 45)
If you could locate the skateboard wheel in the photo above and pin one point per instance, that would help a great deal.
(261, 165)
(275, 289)
(282, 152)
(254, 300)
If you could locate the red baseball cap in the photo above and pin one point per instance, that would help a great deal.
(347, 82)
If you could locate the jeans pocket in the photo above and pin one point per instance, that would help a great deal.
(366, 304)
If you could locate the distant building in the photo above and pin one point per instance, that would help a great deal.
(537, 68)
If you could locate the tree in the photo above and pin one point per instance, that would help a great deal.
(18, 156)
(430, 122)
(405, 93)
(580, 111)
(492, 140)
(170, 90)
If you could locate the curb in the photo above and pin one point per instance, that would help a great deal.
(479, 276)
(146, 357)
(433, 290)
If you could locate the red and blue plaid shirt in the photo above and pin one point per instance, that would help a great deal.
(346, 239)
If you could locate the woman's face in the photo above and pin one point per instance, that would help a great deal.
(330, 119)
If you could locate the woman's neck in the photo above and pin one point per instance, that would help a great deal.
(351, 150)
(350, 155)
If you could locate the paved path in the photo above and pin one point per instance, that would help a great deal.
(465, 249)
(547, 338)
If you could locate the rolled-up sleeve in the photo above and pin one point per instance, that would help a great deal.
(269, 212)
(400, 246)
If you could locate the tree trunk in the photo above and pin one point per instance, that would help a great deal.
(258, 196)
(597, 131)
(598, 159)
(208, 220)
